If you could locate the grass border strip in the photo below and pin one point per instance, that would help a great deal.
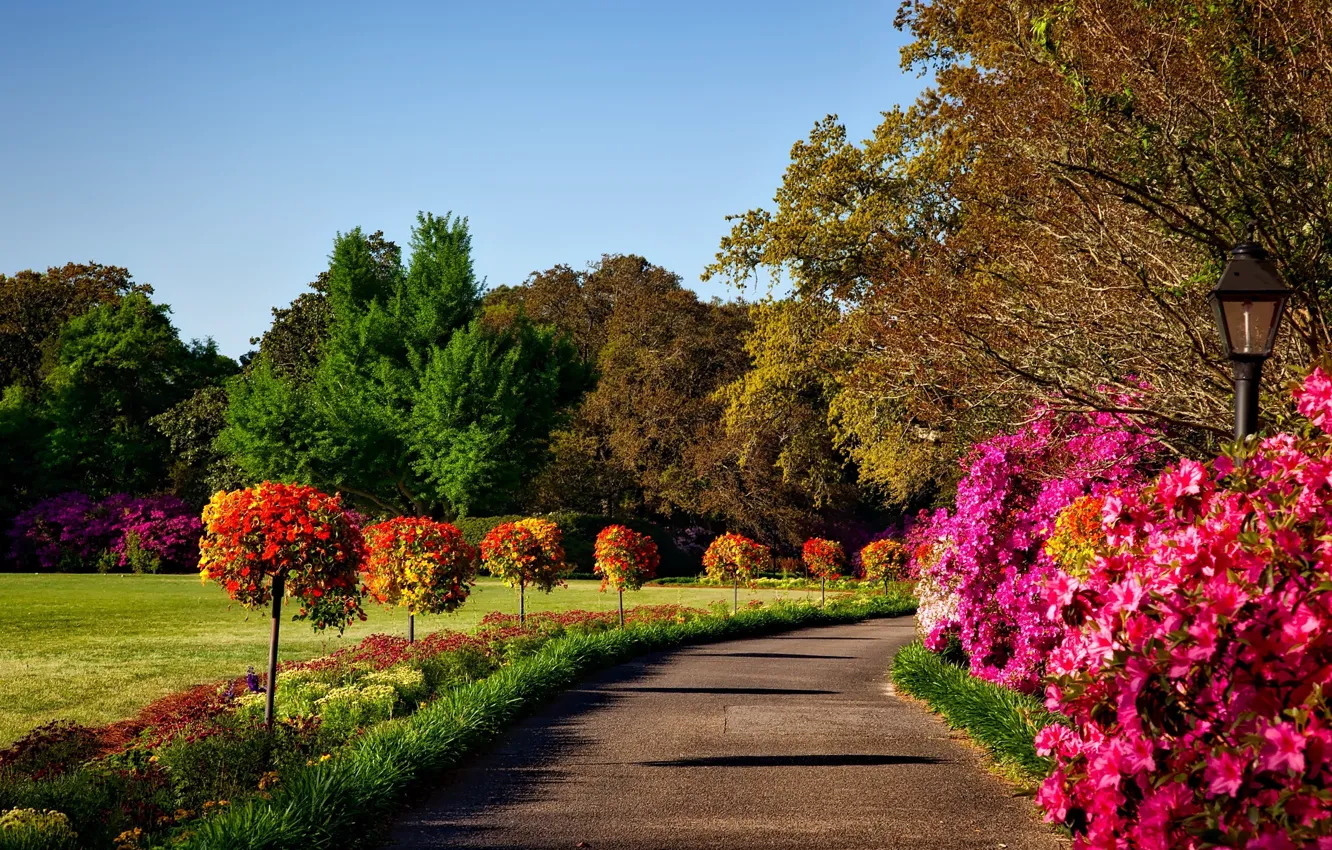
(341, 802)
(1003, 722)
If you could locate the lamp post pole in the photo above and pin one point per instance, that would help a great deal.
(1248, 377)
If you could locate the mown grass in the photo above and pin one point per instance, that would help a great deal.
(1003, 722)
(97, 648)
(338, 803)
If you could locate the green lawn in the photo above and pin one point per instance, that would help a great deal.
(96, 648)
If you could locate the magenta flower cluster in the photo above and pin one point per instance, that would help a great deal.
(73, 531)
(1196, 663)
(981, 565)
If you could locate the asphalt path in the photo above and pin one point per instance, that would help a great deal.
(790, 741)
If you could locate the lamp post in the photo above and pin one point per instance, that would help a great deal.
(1248, 302)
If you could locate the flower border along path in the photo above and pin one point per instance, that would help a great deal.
(337, 803)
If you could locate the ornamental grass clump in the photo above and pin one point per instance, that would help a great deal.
(884, 560)
(523, 553)
(825, 559)
(624, 560)
(278, 540)
(1197, 659)
(424, 566)
(734, 558)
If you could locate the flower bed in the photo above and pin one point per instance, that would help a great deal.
(1187, 622)
(194, 753)
(72, 531)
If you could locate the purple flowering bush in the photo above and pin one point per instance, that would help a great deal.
(72, 531)
(982, 565)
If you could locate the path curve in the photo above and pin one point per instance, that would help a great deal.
(790, 741)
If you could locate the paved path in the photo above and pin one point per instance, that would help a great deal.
(791, 741)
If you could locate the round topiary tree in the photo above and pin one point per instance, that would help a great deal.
(735, 557)
(824, 559)
(624, 560)
(884, 560)
(425, 566)
(526, 552)
(276, 540)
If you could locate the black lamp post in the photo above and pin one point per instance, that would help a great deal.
(1248, 301)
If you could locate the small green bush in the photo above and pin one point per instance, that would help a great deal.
(407, 681)
(458, 667)
(36, 829)
(349, 707)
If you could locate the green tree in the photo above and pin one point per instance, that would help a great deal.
(414, 405)
(35, 306)
(116, 367)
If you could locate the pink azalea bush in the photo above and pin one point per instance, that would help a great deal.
(73, 531)
(981, 565)
(1196, 657)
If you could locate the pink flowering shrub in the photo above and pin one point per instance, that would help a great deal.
(1197, 658)
(981, 566)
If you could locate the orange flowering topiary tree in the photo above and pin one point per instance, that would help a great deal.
(824, 559)
(735, 557)
(276, 540)
(526, 552)
(624, 560)
(883, 560)
(425, 566)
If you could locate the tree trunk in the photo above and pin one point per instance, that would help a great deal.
(279, 587)
(823, 592)
(621, 607)
(411, 627)
(522, 602)
(735, 604)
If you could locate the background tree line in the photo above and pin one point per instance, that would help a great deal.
(1043, 223)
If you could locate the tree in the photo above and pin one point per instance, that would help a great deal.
(1048, 219)
(824, 559)
(278, 540)
(624, 560)
(883, 560)
(425, 566)
(526, 552)
(733, 557)
(115, 368)
(198, 468)
(415, 404)
(35, 306)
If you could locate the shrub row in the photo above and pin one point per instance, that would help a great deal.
(1001, 720)
(580, 536)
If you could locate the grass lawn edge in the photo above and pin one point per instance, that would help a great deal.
(347, 800)
(1002, 723)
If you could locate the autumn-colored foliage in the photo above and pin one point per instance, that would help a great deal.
(884, 560)
(823, 558)
(291, 530)
(425, 566)
(526, 553)
(625, 558)
(735, 558)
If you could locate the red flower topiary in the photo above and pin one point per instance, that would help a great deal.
(624, 560)
(425, 566)
(736, 558)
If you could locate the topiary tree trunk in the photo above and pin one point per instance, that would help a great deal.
(279, 587)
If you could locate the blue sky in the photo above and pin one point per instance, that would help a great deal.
(215, 149)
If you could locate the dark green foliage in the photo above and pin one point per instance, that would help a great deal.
(198, 468)
(1002, 721)
(402, 397)
(116, 367)
(338, 803)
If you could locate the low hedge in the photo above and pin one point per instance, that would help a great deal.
(1002, 721)
(580, 535)
(337, 803)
